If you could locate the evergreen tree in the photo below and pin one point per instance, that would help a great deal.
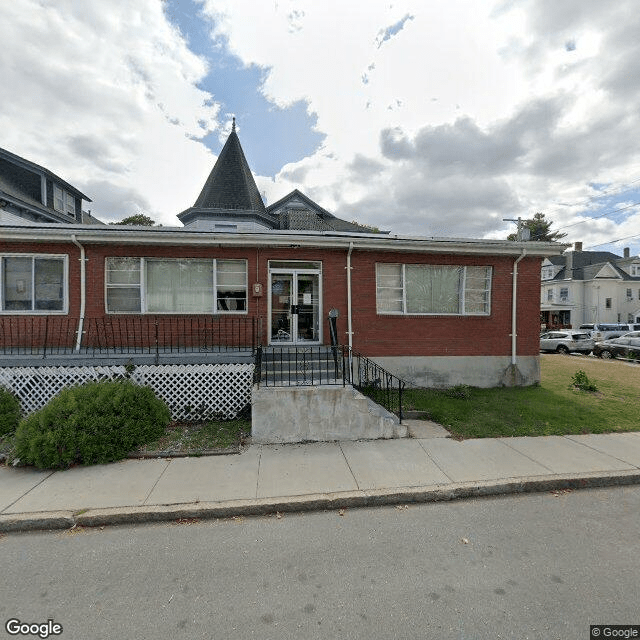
(540, 229)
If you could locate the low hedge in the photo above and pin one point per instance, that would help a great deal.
(97, 422)
(9, 412)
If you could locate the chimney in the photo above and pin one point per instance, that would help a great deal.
(578, 246)
(627, 252)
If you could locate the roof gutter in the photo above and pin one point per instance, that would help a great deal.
(281, 239)
(514, 305)
(83, 289)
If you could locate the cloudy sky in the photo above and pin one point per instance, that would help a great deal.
(425, 117)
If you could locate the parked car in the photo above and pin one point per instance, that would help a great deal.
(587, 328)
(626, 346)
(566, 341)
(604, 331)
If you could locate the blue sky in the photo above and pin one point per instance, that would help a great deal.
(431, 118)
(285, 134)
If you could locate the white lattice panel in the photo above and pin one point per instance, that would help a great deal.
(192, 392)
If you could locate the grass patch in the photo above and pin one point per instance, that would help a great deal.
(191, 438)
(555, 407)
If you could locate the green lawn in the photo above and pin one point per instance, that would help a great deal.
(553, 408)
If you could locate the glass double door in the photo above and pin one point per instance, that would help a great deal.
(295, 307)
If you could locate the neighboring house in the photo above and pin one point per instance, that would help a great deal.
(585, 287)
(30, 193)
(434, 311)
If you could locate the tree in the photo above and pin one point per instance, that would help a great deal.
(540, 229)
(139, 219)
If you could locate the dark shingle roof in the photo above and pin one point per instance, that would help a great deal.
(298, 212)
(230, 193)
(591, 271)
(23, 163)
(230, 184)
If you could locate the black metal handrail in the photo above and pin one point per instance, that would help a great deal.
(298, 366)
(374, 381)
(44, 336)
(328, 365)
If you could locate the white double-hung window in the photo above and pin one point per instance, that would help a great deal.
(63, 201)
(188, 285)
(33, 283)
(421, 289)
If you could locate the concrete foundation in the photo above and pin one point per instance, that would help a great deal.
(475, 371)
(320, 414)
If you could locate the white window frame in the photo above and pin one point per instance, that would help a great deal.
(68, 201)
(550, 295)
(142, 284)
(564, 297)
(635, 269)
(37, 312)
(463, 290)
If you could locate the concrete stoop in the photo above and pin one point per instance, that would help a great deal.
(318, 414)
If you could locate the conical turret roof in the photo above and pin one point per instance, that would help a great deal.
(230, 184)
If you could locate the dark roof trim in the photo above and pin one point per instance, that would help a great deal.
(18, 203)
(298, 194)
(197, 213)
(36, 168)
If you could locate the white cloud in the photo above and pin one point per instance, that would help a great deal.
(457, 117)
(438, 117)
(105, 94)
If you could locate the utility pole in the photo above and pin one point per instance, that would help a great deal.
(523, 233)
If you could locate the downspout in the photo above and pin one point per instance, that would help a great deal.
(83, 277)
(514, 301)
(349, 325)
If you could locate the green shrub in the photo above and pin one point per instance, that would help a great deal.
(9, 412)
(94, 423)
(580, 380)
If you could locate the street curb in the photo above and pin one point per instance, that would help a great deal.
(36, 521)
(313, 502)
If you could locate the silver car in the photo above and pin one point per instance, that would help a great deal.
(566, 341)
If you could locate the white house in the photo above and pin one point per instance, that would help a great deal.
(582, 287)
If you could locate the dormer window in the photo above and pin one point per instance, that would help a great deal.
(547, 273)
(63, 201)
(635, 270)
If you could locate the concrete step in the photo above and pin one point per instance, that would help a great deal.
(321, 413)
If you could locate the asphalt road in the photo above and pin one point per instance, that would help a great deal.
(528, 566)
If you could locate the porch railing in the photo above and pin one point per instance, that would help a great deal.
(374, 381)
(44, 336)
(329, 365)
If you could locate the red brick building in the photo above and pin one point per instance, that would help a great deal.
(434, 311)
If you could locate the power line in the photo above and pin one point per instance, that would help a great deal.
(604, 244)
(620, 189)
(603, 215)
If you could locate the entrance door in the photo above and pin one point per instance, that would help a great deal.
(295, 306)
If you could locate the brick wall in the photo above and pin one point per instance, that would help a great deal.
(374, 335)
(388, 335)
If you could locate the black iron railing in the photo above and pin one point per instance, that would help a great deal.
(43, 336)
(329, 365)
(295, 366)
(373, 381)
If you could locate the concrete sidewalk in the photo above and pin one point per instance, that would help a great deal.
(277, 478)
